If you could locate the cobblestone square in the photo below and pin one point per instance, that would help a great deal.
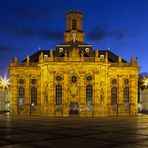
(71, 132)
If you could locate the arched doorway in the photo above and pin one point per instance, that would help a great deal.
(74, 109)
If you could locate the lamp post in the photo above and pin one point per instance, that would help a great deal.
(145, 82)
(4, 84)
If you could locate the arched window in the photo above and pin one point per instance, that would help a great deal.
(89, 95)
(73, 79)
(33, 96)
(74, 24)
(21, 81)
(113, 95)
(126, 95)
(21, 96)
(126, 81)
(58, 94)
(114, 81)
(33, 81)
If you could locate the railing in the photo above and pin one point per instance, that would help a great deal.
(58, 59)
(89, 59)
(120, 64)
(33, 64)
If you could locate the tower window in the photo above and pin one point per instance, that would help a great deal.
(74, 24)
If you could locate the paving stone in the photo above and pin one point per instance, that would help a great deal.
(71, 132)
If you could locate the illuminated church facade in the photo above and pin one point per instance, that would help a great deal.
(74, 79)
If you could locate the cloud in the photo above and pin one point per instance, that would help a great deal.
(41, 33)
(31, 11)
(21, 31)
(5, 49)
(51, 35)
(100, 33)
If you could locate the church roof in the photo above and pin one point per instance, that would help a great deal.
(111, 56)
(72, 43)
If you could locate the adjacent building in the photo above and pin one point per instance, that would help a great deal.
(74, 79)
(4, 99)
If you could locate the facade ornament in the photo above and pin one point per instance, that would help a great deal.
(82, 53)
(106, 56)
(11, 60)
(119, 59)
(41, 57)
(132, 59)
(97, 53)
(15, 59)
(28, 58)
(137, 60)
(65, 53)
(74, 37)
(51, 52)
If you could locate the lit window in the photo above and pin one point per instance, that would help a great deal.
(21, 96)
(126, 95)
(60, 49)
(87, 49)
(45, 56)
(89, 95)
(101, 56)
(33, 96)
(113, 95)
(58, 94)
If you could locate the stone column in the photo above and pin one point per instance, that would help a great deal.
(82, 95)
(108, 97)
(13, 95)
(51, 94)
(65, 102)
(120, 105)
(45, 90)
(133, 102)
(27, 105)
(105, 93)
(96, 94)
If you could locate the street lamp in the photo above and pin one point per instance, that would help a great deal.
(4, 84)
(145, 82)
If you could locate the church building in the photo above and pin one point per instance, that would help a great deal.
(74, 79)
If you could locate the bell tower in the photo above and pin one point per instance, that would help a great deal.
(74, 27)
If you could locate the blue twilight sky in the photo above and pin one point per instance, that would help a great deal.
(26, 25)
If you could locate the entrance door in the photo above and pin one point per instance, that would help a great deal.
(74, 108)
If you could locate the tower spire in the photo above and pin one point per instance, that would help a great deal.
(74, 26)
